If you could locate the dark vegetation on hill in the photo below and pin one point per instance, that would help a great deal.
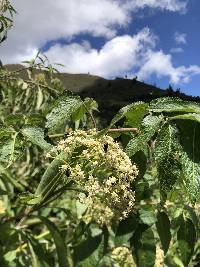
(111, 95)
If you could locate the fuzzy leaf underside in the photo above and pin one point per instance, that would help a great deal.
(149, 126)
(190, 157)
(171, 104)
(36, 136)
(63, 109)
(167, 156)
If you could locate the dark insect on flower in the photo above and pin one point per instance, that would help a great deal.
(65, 136)
(67, 173)
(105, 147)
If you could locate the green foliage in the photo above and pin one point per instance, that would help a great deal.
(6, 18)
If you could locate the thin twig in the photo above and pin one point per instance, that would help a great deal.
(56, 135)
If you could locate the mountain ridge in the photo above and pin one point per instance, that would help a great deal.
(113, 93)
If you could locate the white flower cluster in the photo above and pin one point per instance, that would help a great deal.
(2, 207)
(159, 261)
(100, 167)
(122, 257)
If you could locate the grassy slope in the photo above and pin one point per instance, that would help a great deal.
(110, 94)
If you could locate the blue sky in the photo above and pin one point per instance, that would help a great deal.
(156, 40)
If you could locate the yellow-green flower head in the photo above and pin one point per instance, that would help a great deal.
(2, 207)
(122, 257)
(159, 261)
(103, 169)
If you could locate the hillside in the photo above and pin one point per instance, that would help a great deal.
(111, 95)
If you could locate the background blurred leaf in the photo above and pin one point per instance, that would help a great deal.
(163, 228)
(186, 236)
(59, 242)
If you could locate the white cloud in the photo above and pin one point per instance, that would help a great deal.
(117, 56)
(47, 20)
(170, 5)
(38, 22)
(176, 50)
(120, 56)
(180, 38)
(160, 64)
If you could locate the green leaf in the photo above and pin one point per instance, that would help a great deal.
(39, 253)
(10, 255)
(5, 132)
(87, 105)
(144, 246)
(135, 116)
(167, 156)
(28, 198)
(140, 160)
(149, 127)
(186, 237)
(171, 104)
(189, 116)
(125, 231)
(52, 176)
(3, 192)
(88, 252)
(147, 216)
(36, 136)
(190, 157)
(14, 119)
(163, 228)
(6, 176)
(36, 120)
(62, 110)
(10, 149)
(133, 112)
(58, 240)
(34, 259)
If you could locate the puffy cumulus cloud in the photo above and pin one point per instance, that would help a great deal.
(38, 22)
(120, 56)
(49, 20)
(160, 64)
(180, 38)
(117, 56)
